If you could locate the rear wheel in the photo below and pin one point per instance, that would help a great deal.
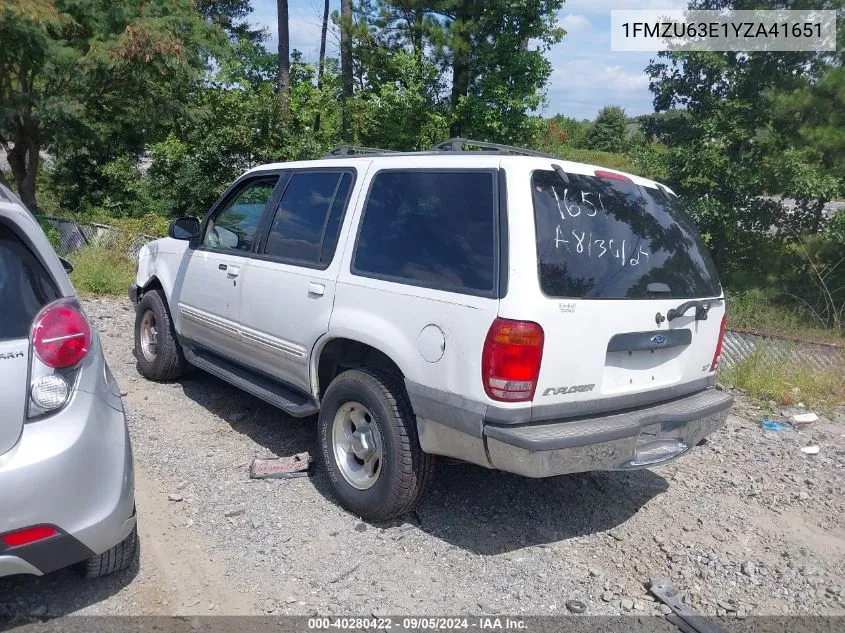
(368, 440)
(157, 351)
(118, 558)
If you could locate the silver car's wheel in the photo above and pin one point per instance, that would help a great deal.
(149, 336)
(357, 445)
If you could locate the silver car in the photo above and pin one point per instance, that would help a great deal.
(66, 476)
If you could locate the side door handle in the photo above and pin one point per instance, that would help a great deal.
(232, 272)
(316, 289)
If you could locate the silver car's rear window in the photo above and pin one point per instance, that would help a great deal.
(603, 238)
(25, 286)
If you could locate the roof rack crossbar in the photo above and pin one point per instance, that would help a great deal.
(348, 150)
(458, 144)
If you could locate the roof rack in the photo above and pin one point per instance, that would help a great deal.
(348, 150)
(458, 144)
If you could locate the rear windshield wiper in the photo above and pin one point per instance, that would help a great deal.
(700, 310)
(561, 174)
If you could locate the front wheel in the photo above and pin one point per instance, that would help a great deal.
(157, 351)
(369, 445)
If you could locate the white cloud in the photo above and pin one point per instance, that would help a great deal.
(304, 28)
(575, 23)
(580, 87)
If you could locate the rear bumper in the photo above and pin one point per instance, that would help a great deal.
(622, 440)
(72, 471)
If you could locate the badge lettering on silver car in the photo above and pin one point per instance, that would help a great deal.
(9, 355)
(562, 391)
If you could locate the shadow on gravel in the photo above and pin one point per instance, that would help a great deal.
(479, 510)
(24, 598)
(491, 512)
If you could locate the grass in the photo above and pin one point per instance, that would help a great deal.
(754, 310)
(101, 271)
(768, 378)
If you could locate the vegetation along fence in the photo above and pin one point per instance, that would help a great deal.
(740, 344)
(69, 236)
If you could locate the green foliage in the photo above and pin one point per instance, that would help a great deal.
(50, 231)
(743, 130)
(92, 80)
(607, 133)
(101, 271)
(574, 131)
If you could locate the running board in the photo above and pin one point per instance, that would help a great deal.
(289, 400)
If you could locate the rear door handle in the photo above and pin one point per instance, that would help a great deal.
(233, 271)
(316, 289)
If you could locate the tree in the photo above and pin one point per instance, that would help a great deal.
(346, 64)
(322, 59)
(67, 70)
(284, 56)
(230, 15)
(499, 66)
(607, 133)
(740, 140)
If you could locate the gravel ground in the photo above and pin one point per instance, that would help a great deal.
(747, 523)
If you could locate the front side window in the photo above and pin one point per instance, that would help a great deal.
(235, 226)
(430, 228)
(307, 222)
(600, 238)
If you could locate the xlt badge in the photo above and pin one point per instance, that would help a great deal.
(562, 391)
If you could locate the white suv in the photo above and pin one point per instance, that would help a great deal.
(501, 307)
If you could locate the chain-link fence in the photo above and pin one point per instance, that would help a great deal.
(739, 345)
(70, 236)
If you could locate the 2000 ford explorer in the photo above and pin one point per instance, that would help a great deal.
(502, 307)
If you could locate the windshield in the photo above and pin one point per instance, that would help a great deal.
(600, 238)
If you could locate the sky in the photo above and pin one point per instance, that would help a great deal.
(586, 73)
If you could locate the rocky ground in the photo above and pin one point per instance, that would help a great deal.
(747, 524)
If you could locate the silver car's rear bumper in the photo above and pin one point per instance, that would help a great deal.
(621, 440)
(73, 471)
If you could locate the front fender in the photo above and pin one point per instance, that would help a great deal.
(160, 260)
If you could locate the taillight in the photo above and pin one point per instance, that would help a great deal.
(719, 343)
(28, 535)
(510, 362)
(61, 335)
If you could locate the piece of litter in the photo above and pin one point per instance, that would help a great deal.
(810, 450)
(772, 425)
(281, 467)
(803, 419)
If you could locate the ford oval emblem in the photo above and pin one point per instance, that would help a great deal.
(658, 339)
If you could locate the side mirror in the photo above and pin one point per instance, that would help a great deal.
(66, 265)
(184, 229)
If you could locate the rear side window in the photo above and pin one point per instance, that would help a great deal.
(599, 238)
(433, 229)
(25, 286)
(307, 222)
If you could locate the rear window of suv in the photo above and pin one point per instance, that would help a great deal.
(603, 238)
(25, 286)
(436, 229)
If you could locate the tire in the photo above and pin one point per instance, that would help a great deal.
(404, 470)
(166, 361)
(118, 558)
